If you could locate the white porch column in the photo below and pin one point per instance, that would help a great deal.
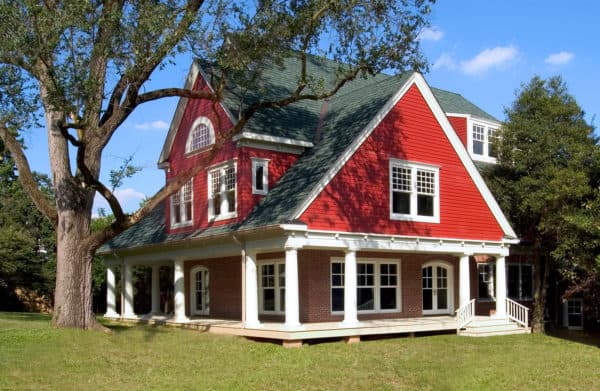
(464, 293)
(251, 294)
(350, 309)
(501, 287)
(292, 300)
(179, 286)
(111, 309)
(155, 290)
(127, 291)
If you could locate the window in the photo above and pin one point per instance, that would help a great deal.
(573, 314)
(222, 192)
(272, 287)
(414, 192)
(182, 206)
(377, 286)
(201, 135)
(486, 278)
(260, 176)
(482, 142)
(520, 281)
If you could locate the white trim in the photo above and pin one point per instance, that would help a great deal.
(418, 80)
(193, 271)
(357, 241)
(377, 262)
(450, 288)
(211, 135)
(180, 110)
(224, 202)
(272, 139)
(180, 193)
(264, 163)
(276, 288)
(283, 148)
(487, 125)
(413, 215)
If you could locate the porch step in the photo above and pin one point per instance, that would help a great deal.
(485, 327)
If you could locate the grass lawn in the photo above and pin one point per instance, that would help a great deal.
(34, 356)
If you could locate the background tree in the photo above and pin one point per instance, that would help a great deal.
(26, 238)
(85, 65)
(546, 180)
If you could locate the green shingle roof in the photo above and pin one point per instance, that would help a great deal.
(347, 114)
(452, 102)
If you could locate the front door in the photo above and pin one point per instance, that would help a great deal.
(199, 291)
(437, 289)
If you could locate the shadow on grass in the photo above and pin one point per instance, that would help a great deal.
(591, 338)
(25, 316)
(149, 330)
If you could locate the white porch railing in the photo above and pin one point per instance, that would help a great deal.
(517, 312)
(465, 315)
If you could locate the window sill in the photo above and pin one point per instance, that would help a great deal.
(223, 217)
(182, 225)
(259, 192)
(416, 219)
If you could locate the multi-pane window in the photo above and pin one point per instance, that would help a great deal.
(486, 278)
(201, 135)
(182, 206)
(414, 192)
(377, 286)
(222, 192)
(519, 281)
(272, 287)
(260, 176)
(483, 142)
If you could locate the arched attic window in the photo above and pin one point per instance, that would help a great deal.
(201, 135)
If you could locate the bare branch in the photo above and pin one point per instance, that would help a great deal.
(26, 177)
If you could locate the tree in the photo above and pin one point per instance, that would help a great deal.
(546, 180)
(85, 66)
(26, 237)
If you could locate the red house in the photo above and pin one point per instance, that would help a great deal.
(363, 214)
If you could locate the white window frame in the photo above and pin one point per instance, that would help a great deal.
(277, 286)
(566, 313)
(211, 135)
(180, 194)
(256, 164)
(377, 262)
(487, 128)
(414, 169)
(520, 266)
(221, 170)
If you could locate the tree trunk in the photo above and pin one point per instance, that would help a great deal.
(73, 294)
(541, 288)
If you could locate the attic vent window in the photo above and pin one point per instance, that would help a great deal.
(201, 135)
(260, 176)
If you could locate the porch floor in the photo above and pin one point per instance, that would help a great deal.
(307, 331)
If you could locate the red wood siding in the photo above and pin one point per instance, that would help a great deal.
(278, 163)
(460, 127)
(357, 199)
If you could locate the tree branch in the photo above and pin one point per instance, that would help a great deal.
(26, 177)
(180, 92)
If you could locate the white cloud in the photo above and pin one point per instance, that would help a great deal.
(430, 34)
(489, 58)
(154, 125)
(559, 58)
(128, 198)
(445, 60)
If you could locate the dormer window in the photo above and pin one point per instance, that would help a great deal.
(182, 206)
(481, 142)
(222, 192)
(260, 176)
(201, 135)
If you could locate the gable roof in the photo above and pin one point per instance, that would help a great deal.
(350, 116)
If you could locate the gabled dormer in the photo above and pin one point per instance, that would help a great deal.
(476, 128)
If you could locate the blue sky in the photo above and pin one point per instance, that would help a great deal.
(483, 50)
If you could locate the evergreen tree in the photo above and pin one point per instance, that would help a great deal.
(547, 180)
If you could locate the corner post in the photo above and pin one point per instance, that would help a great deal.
(464, 280)
(501, 287)
(292, 301)
(251, 294)
(111, 303)
(179, 287)
(350, 306)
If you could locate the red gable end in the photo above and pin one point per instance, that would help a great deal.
(357, 199)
